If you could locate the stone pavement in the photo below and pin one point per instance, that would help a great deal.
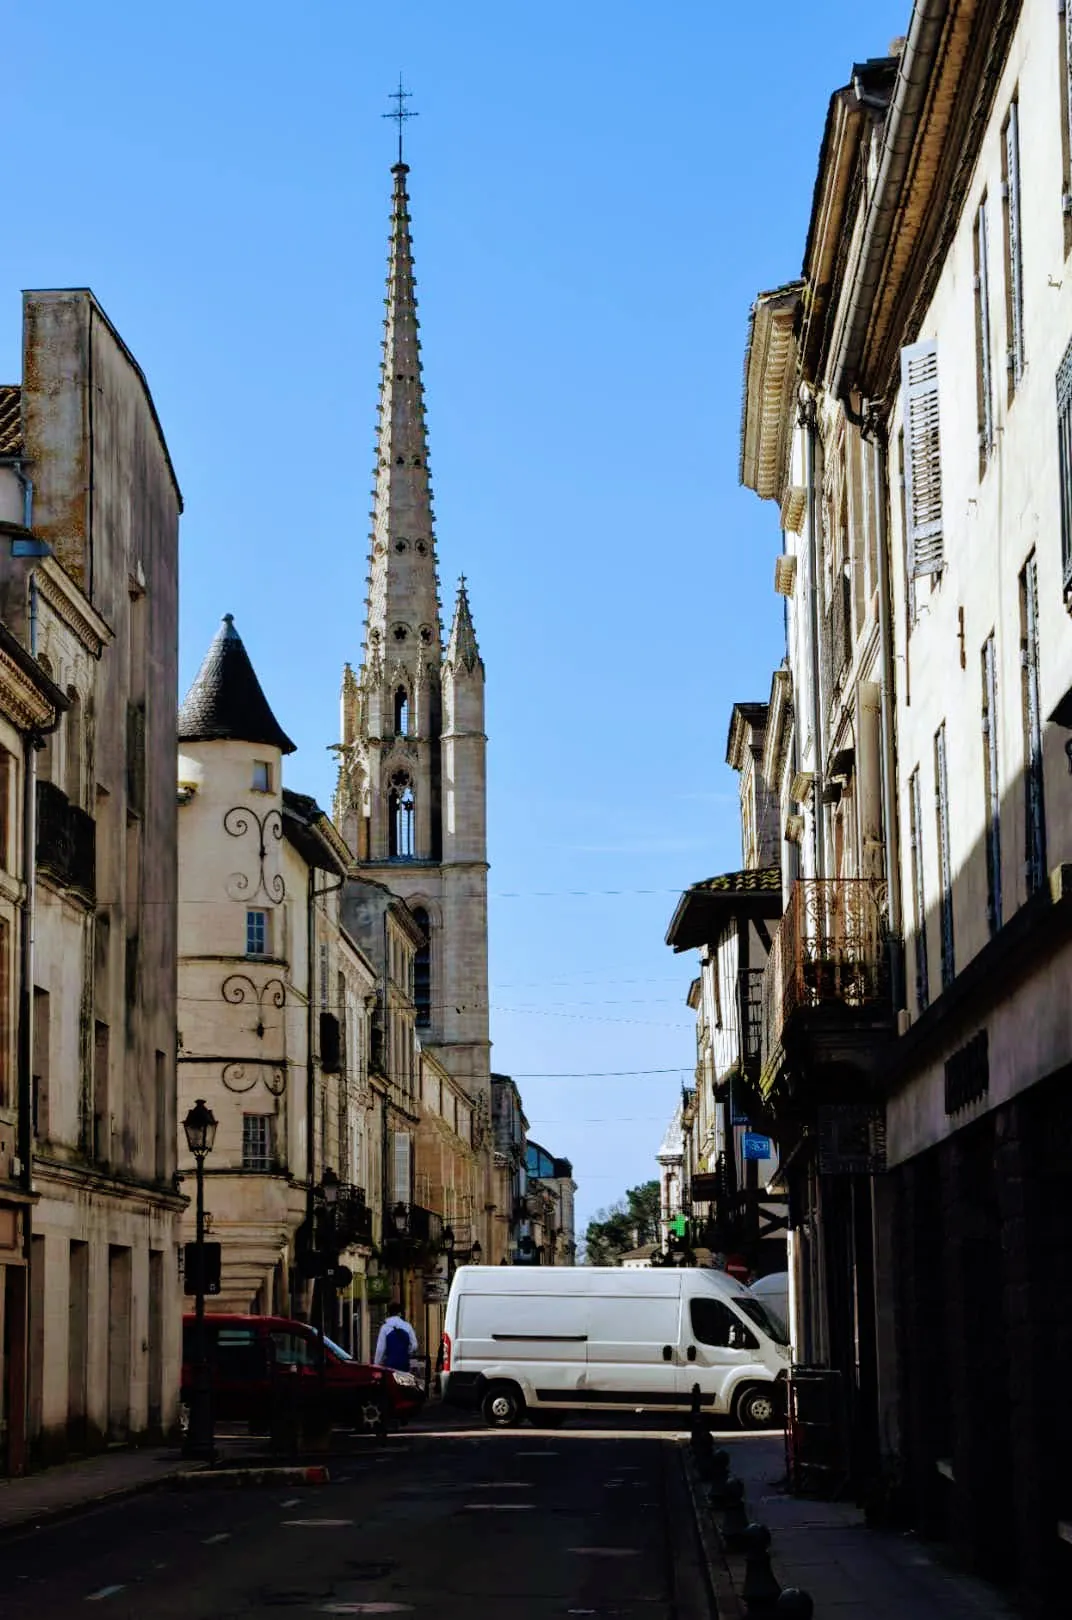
(68, 1487)
(851, 1572)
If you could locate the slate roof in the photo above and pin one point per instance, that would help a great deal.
(225, 702)
(703, 908)
(10, 419)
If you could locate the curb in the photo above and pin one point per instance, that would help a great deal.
(313, 1474)
(45, 1518)
(728, 1603)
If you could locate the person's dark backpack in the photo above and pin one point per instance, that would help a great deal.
(396, 1350)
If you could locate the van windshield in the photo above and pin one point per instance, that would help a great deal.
(761, 1317)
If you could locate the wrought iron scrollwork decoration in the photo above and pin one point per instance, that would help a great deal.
(239, 821)
(242, 1075)
(239, 987)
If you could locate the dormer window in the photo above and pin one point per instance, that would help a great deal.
(262, 776)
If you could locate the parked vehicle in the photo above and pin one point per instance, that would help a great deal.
(773, 1292)
(256, 1361)
(551, 1340)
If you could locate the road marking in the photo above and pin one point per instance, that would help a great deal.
(291, 1501)
(105, 1592)
(318, 1524)
(212, 1541)
(500, 1485)
(499, 1507)
(606, 1552)
(366, 1609)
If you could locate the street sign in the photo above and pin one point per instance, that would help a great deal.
(756, 1147)
(212, 1252)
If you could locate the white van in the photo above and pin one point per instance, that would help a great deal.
(550, 1340)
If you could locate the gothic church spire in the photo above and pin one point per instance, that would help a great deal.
(404, 625)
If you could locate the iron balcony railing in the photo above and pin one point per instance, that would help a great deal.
(66, 841)
(353, 1216)
(831, 949)
(412, 1223)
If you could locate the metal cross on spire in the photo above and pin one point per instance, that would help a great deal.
(400, 113)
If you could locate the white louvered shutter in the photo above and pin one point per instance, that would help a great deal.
(402, 1189)
(923, 459)
(1016, 273)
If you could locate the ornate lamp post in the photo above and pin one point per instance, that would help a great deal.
(476, 1253)
(329, 1192)
(200, 1128)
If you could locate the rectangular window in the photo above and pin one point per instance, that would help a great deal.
(1064, 458)
(256, 933)
(945, 865)
(984, 379)
(262, 776)
(42, 1027)
(919, 908)
(5, 809)
(1035, 852)
(1014, 270)
(992, 786)
(257, 1141)
(923, 459)
(401, 1166)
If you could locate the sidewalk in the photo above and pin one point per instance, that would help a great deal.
(850, 1571)
(68, 1487)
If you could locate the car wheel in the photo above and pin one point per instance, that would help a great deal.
(371, 1415)
(547, 1420)
(503, 1406)
(757, 1406)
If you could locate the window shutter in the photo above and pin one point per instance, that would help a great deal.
(982, 298)
(918, 896)
(1064, 455)
(993, 787)
(945, 865)
(923, 459)
(402, 1189)
(1016, 279)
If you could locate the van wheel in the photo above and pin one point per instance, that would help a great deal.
(547, 1420)
(503, 1406)
(757, 1407)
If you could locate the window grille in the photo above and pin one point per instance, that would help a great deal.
(945, 866)
(256, 933)
(992, 785)
(1035, 853)
(984, 380)
(257, 1141)
(1014, 271)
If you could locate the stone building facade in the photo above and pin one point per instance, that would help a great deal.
(275, 1001)
(909, 408)
(91, 592)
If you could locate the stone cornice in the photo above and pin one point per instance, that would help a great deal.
(21, 699)
(65, 598)
(770, 376)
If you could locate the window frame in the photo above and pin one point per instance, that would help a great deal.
(258, 1156)
(1034, 772)
(945, 863)
(261, 776)
(252, 931)
(1015, 358)
(991, 783)
(984, 369)
(919, 902)
(1064, 464)
(921, 412)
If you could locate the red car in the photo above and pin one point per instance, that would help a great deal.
(255, 1361)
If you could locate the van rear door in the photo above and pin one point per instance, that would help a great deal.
(633, 1350)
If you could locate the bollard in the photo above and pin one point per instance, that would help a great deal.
(720, 1472)
(735, 1516)
(794, 1604)
(760, 1590)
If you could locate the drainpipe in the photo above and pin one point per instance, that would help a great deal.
(807, 416)
(889, 766)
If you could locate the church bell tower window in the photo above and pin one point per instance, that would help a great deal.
(401, 712)
(402, 824)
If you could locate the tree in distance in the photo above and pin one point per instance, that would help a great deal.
(628, 1224)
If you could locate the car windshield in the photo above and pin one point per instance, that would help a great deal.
(337, 1350)
(761, 1317)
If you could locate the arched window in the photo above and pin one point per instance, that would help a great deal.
(401, 712)
(422, 971)
(401, 808)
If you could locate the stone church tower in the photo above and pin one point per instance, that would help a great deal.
(411, 796)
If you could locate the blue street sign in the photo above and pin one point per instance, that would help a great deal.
(757, 1147)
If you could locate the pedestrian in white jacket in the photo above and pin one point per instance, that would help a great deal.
(396, 1342)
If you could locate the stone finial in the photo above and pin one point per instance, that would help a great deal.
(462, 649)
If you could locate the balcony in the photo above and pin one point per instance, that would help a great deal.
(827, 976)
(411, 1233)
(66, 842)
(353, 1218)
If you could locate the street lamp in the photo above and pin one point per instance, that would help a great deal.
(200, 1128)
(329, 1192)
(477, 1253)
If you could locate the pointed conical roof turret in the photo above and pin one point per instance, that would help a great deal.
(462, 649)
(225, 702)
(403, 608)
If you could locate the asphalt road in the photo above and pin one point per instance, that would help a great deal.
(522, 1525)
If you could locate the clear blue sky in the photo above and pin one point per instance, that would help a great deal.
(599, 189)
